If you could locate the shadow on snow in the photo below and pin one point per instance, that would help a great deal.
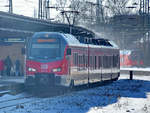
(108, 94)
(101, 96)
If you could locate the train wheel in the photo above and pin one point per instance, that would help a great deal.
(88, 85)
(115, 79)
(72, 84)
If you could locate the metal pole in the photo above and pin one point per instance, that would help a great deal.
(131, 75)
(39, 10)
(91, 13)
(10, 6)
(48, 9)
(98, 19)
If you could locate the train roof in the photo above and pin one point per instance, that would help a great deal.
(74, 40)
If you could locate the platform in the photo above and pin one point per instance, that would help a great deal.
(11, 85)
(136, 71)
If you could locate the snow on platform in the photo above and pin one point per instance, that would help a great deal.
(136, 69)
(122, 96)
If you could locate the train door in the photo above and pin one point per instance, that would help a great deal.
(94, 71)
(106, 70)
(79, 69)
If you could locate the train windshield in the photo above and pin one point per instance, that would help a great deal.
(45, 48)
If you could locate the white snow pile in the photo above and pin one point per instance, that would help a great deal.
(122, 96)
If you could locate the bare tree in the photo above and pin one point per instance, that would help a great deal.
(117, 7)
(60, 6)
(71, 10)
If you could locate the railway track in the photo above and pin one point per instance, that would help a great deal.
(15, 102)
(34, 96)
(37, 96)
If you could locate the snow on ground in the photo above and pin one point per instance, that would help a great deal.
(122, 96)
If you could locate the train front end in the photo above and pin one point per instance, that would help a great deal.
(46, 62)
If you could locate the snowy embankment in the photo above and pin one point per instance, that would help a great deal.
(122, 96)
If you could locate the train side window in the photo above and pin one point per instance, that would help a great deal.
(68, 51)
(117, 61)
(90, 61)
(95, 63)
(104, 61)
(113, 61)
(76, 59)
(93, 60)
(109, 61)
(79, 60)
(84, 61)
(99, 62)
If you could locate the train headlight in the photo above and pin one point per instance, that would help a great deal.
(31, 69)
(56, 70)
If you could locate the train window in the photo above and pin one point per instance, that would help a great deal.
(113, 61)
(90, 61)
(75, 59)
(99, 62)
(118, 61)
(104, 61)
(79, 60)
(109, 61)
(95, 63)
(84, 61)
(68, 51)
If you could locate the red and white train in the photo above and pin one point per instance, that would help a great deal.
(131, 58)
(62, 59)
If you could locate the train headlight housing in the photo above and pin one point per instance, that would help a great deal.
(31, 69)
(56, 70)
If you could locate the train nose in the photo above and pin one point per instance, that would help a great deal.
(45, 79)
(44, 66)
